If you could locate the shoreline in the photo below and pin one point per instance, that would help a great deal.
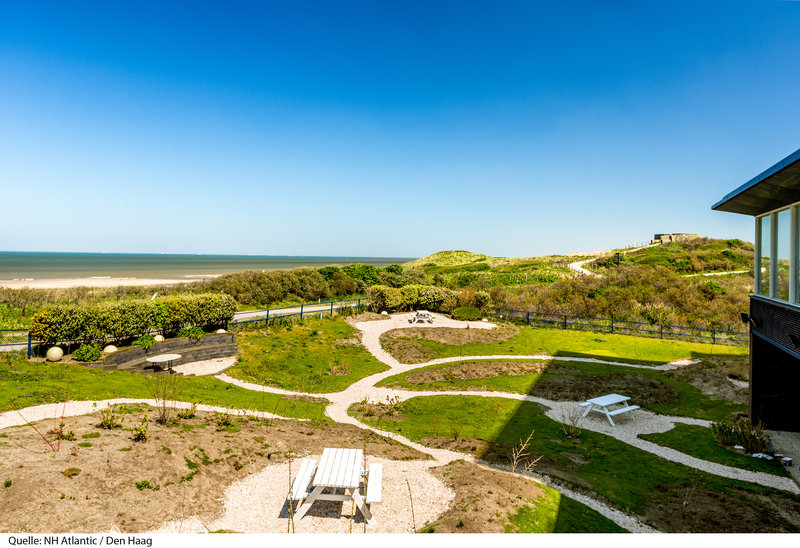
(92, 282)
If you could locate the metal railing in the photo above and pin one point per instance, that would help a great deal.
(623, 327)
(16, 339)
(307, 309)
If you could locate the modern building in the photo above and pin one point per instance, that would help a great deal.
(674, 237)
(773, 199)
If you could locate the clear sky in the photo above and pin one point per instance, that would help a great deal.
(386, 128)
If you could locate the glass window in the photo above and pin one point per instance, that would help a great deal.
(766, 247)
(784, 232)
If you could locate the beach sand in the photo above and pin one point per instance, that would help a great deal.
(89, 282)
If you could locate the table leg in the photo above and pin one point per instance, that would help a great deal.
(589, 408)
(361, 503)
(608, 416)
(308, 502)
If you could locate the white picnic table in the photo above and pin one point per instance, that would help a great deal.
(339, 469)
(603, 403)
(420, 316)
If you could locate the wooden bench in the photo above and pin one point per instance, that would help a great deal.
(624, 410)
(374, 479)
(303, 479)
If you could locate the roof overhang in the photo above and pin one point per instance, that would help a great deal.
(776, 187)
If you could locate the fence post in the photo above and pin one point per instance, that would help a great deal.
(662, 330)
(529, 318)
(301, 311)
(358, 304)
(331, 308)
(565, 321)
(612, 324)
(29, 345)
(713, 336)
(266, 322)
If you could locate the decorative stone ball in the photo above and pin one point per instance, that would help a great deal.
(485, 320)
(54, 354)
(159, 338)
(384, 313)
(110, 349)
(220, 331)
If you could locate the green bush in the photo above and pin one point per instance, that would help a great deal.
(123, 319)
(411, 297)
(740, 432)
(191, 332)
(467, 313)
(87, 353)
(482, 300)
(145, 341)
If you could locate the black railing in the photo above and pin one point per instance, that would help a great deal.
(623, 327)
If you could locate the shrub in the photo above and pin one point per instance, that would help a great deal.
(740, 432)
(145, 341)
(141, 432)
(87, 353)
(144, 484)
(482, 300)
(381, 298)
(437, 299)
(7, 483)
(191, 332)
(467, 313)
(109, 419)
(224, 420)
(189, 413)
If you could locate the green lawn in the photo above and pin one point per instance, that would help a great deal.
(557, 342)
(627, 476)
(317, 355)
(697, 441)
(691, 402)
(29, 383)
(552, 513)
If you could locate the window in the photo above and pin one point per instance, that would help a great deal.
(784, 233)
(765, 248)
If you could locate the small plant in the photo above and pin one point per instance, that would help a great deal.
(193, 332)
(141, 432)
(109, 419)
(69, 435)
(145, 341)
(570, 423)
(87, 353)
(7, 484)
(144, 484)
(165, 390)
(91, 435)
(85, 444)
(467, 313)
(225, 421)
(189, 413)
(740, 432)
(71, 472)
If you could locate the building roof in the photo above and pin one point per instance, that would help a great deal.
(774, 188)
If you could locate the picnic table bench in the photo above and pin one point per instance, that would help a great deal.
(421, 316)
(339, 469)
(602, 404)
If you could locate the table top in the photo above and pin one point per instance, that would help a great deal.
(163, 358)
(608, 399)
(423, 312)
(339, 468)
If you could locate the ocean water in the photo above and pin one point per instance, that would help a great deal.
(16, 265)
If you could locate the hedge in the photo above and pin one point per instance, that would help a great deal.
(411, 297)
(129, 319)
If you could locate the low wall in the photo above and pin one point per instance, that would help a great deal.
(215, 345)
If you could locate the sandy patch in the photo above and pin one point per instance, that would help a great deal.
(206, 367)
(89, 282)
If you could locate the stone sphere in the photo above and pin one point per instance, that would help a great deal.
(159, 338)
(109, 349)
(485, 320)
(54, 354)
(384, 313)
(220, 331)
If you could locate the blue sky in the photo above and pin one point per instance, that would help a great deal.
(386, 128)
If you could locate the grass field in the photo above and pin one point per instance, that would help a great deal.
(552, 513)
(557, 342)
(628, 477)
(24, 383)
(697, 441)
(317, 355)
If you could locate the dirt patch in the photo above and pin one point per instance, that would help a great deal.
(484, 498)
(682, 508)
(717, 376)
(477, 370)
(579, 387)
(390, 411)
(403, 344)
(365, 317)
(186, 466)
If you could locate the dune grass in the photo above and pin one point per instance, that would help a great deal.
(316, 355)
(628, 477)
(24, 383)
(698, 441)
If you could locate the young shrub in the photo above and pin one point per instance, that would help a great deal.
(224, 420)
(467, 313)
(165, 390)
(141, 432)
(87, 353)
(750, 436)
(194, 332)
(189, 413)
(482, 300)
(109, 419)
(410, 296)
(145, 341)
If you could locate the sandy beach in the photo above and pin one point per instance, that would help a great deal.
(90, 282)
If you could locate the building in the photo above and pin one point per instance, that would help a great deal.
(674, 237)
(773, 199)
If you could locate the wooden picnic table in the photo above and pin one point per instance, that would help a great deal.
(163, 361)
(420, 316)
(339, 469)
(602, 404)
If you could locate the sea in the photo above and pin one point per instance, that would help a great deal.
(24, 265)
